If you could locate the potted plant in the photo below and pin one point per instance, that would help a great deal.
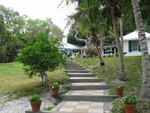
(119, 90)
(35, 102)
(55, 88)
(130, 102)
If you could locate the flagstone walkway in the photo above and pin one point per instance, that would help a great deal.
(86, 93)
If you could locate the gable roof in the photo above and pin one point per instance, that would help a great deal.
(134, 36)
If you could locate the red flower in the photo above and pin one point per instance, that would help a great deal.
(49, 84)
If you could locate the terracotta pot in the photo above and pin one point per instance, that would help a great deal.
(119, 92)
(35, 106)
(55, 91)
(129, 108)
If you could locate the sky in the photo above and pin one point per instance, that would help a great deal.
(42, 9)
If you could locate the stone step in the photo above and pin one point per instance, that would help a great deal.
(73, 64)
(87, 92)
(44, 111)
(75, 68)
(77, 71)
(101, 98)
(89, 87)
(83, 107)
(85, 79)
(87, 83)
(80, 75)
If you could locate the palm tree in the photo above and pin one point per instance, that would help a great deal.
(90, 24)
(110, 9)
(144, 96)
(113, 10)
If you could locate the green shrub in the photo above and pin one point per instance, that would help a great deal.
(41, 56)
(117, 106)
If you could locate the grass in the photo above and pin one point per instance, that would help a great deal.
(49, 108)
(17, 84)
(133, 72)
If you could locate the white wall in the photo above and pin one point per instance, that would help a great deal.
(148, 44)
(125, 46)
(133, 53)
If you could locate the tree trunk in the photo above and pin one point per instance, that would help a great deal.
(98, 50)
(99, 53)
(79, 39)
(145, 91)
(120, 51)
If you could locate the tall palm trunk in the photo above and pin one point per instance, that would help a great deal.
(120, 51)
(145, 91)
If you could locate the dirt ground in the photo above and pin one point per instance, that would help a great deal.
(23, 104)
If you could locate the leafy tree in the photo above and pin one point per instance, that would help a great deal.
(11, 27)
(8, 48)
(16, 31)
(56, 31)
(128, 15)
(8, 43)
(12, 19)
(41, 56)
(35, 27)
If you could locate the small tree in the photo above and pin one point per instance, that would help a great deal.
(41, 56)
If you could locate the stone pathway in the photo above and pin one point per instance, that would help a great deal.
(82, 106)
(86, 93)
(80, 79)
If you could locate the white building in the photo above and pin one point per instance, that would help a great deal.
(131, 44)
(74, 48)
(71, 46)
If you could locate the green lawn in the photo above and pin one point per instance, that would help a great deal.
(13, 80)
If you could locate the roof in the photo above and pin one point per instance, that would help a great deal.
(134, 36)
(71, 46)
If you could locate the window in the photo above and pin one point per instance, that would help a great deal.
(134, 45)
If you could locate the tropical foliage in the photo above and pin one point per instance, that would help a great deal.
(95, 16)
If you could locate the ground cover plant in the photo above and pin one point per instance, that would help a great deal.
(133, 71)
(17, 84)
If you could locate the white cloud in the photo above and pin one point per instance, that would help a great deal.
(42, 9)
